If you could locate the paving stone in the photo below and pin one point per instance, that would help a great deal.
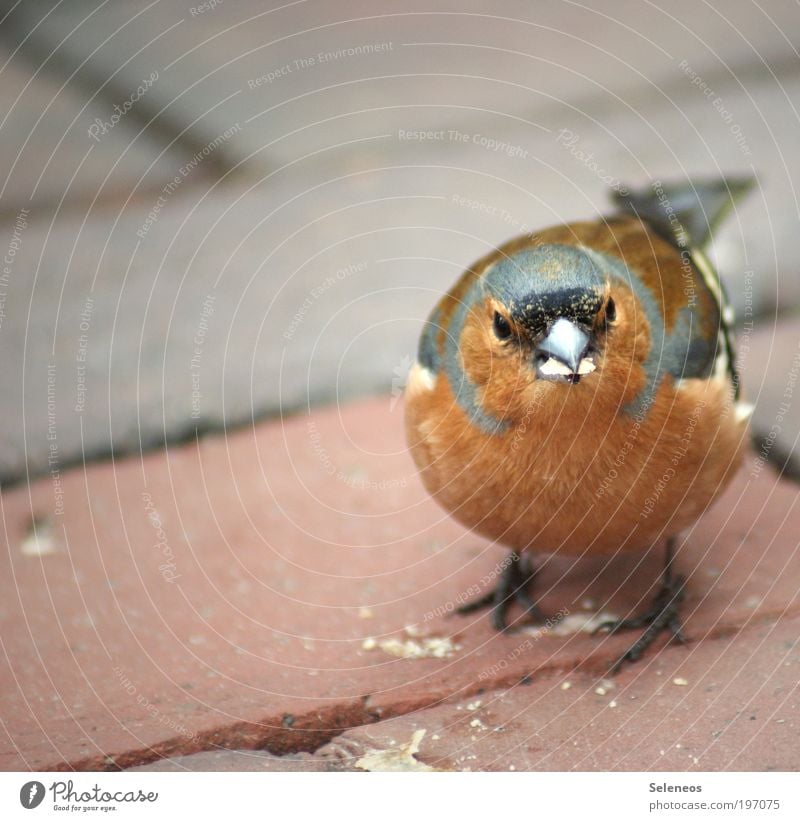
(306, 288)
(728, 704)
(241, 761)
(116, 299)
(275, 587)
(770, 364)
(236, 61)
(48, 154)
(735, 131)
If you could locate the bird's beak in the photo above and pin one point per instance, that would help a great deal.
(565, 353)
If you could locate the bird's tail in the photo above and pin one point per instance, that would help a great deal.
(686, 213)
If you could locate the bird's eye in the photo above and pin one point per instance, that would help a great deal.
(611, 310)
(502, 329)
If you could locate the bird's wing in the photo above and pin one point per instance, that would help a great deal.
(687, 215)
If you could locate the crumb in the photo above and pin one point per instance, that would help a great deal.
(566, 685)
(39, 538)
(402, 758)
(431, 647)
(571, 624)
(680, 682)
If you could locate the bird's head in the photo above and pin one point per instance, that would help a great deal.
(549, 321)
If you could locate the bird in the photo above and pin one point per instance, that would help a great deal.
(575, 393)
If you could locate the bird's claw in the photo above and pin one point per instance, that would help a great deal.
(664, 615)
(513, 585)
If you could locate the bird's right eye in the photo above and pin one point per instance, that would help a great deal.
(502, 330)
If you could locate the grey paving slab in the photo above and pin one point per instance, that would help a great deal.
(306, 282)
(770, 367)
(234, 303)
(312, 72)
(48, 151)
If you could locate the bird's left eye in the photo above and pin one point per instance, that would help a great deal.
(611, 310)
(502, 329)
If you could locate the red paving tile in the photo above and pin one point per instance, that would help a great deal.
(726, 704)
(730, 703)
(229, 606)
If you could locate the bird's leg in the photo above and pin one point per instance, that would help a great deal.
(513, 584)
(663, 615)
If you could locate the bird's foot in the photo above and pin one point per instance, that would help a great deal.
(662, 616)
(513, 585)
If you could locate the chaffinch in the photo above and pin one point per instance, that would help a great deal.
(575, 392)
